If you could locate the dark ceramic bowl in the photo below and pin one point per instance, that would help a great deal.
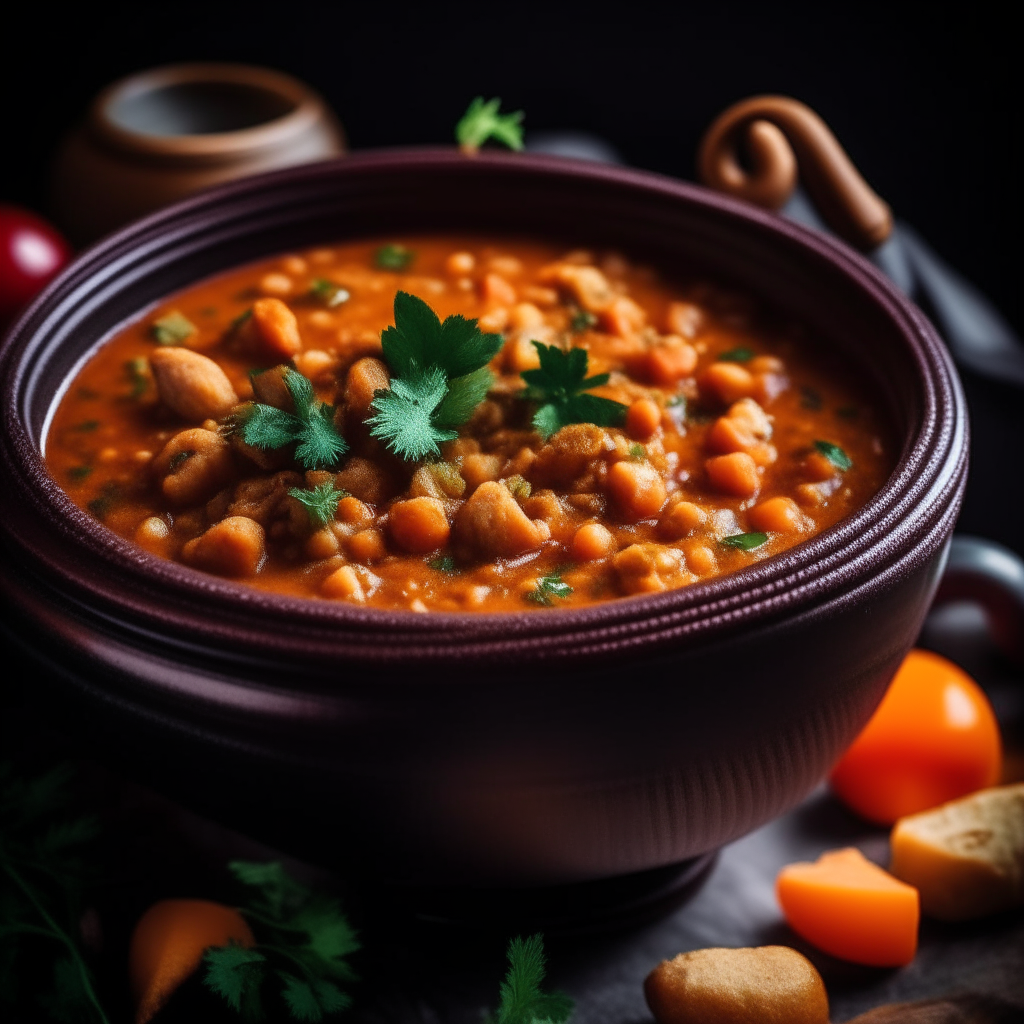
(540, 747)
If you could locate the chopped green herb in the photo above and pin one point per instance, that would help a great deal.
(440, 376)
(582, 320)
(318, 445)
(240, 319)
(744, 541)
(483, 120)
(809, 398)
(138, 376)
(518, 486)
(172, 329)
(548, 587)
(78, 473)
(443, 563)
(100, 505)
(178, 458)
(637, 452)
(303, 935)
(393, 257)
(522, 1001)
(848, 412)
(558, 387)
(329, 293)
(737, 355)
(87, 427)
(321, 502)
(834, 454)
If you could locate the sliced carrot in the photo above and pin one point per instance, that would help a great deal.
(851, 908)
(168, 943)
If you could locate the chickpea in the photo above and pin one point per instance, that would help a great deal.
(734, 474)
(682, 519)
(643, 418)
(591, 542)
(276, 284)
(322, 544)
(193, 465)
(232, 547)
(460, 263)
(191, 385)
(367, 546)
(777, 515)
(728, 382)
(636, 488)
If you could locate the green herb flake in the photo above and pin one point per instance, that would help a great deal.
(637, 452)
(240, 319)
(558, 387)
(101, 505)
(834, 454)
(393, 257)
(522, 1000)
(329, 293)
(737, 355)
(303, 944)
(86, 427)
(178, 459)
(582, 320)
(439, 376)
(848, 412)
(744, 541)
(809, 398)
(172, 329)
(483, 120)
(79, 473)
(138, 376)
(321, 502)
(443, 563)
(548, 587)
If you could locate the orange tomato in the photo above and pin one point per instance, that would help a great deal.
(933, 738)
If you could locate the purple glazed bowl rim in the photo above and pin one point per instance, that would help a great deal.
(102, 574)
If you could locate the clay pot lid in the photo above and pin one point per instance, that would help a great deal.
(269, 107)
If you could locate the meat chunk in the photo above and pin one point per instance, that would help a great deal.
(193, 465)
(191, 385)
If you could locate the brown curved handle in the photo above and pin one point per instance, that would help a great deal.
(777, 135)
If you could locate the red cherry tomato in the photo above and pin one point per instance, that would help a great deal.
(31, 252)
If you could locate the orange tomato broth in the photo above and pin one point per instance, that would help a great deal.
(613, 511)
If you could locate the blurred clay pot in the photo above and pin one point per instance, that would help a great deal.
(158, 136)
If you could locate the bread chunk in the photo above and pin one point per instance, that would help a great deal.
(966, 858)
(764, 985)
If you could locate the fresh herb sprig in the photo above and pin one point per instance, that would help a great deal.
(440, 376)
(318, 445)
(43, 872)
(522, 1001)
(744, 541)
(483, 120)
(305, 941)
(559, 388)
(834, 454)
(393, 257)
(549, 586)
(321, 502)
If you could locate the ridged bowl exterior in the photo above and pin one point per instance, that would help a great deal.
(536, 747)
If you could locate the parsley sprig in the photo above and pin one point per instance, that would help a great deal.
(522, 1001)
(548, 587)
(483, 120)
(440, 376)
(318, 445)
(559, 386)
(321, 502)
(834, 454)
(304, 942)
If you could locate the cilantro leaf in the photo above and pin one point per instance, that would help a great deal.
(138, 375)
(834, 454)
(522, 1001)
(278, 890)
(744, 541)
(310, 1000)
(483, 120)
(234, 973)
(319, 443)
(266, 426)
(547, 587)
(329, 293)
(736, 355)
(464, 395)
(321, 502)
(403, 415)
(559, 385)
(393, 257)
(172, 329)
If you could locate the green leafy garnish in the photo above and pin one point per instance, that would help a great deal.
(240, 319)
(304, 940)
(178, 458)
(443, 563)
(809, 398)
(440, 376)
(138, 376)
(329, 293)
(548, 587)
(744, 541)
(558, 387)
(582, 320)
(78, 473)
(393, 257)
(522, 1001)
(43, 876)
(321, 502)
(834, 454)
(172, 329)
(483, 120)
(100, 505)
(737, 355)
(318, 445)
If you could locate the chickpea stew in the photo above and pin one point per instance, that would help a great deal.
(534, 428)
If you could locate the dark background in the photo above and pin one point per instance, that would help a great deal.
(926, 103)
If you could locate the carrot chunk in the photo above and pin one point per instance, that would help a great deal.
(851, 908)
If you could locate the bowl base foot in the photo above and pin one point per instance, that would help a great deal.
(606, 904)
